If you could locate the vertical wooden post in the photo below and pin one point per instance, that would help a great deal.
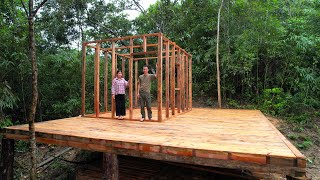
(144, 38)
(113, 73)
(106, 70)
(83, 80)
(110, 166)
(159, 76)
(7, 159)
(182, 82)
(190, 83)
(116, 65)
(172, 79)
(187, 83)
(136, 84)
(167, 78)
(97, 80)
(130, 79)
(123, 66)
(179, 81)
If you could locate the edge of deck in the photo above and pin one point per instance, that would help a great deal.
(224, 159)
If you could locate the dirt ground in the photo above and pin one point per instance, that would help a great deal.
(305, 137)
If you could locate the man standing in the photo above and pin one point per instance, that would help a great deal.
(144, 85)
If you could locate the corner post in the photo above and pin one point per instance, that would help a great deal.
(159, 76)
(97, 80)
(83, 81)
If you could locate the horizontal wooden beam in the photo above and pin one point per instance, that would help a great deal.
(92, 46)
(144, 53)
(123, 55)
(128, 47)
(122, 38)
(144, 58)
(243, 157)
(167, 153)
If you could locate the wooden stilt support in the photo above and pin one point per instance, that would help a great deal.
(159, 76)
(110, 166)
(83, 91)
(7, 159)
(167, 78)
(113, 74)
(106, 71)
(97, 80)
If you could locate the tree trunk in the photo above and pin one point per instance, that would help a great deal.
(32, 49)
(7, 158)
(30, 13)
(110, 166)
(217, 56)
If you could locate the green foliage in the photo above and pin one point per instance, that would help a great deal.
(22, 146)
(5, 123)
(60, 84)
(7, 98)
(293, 136)
(305, 144)
(302, 141)
(274, 101)
(234, 104)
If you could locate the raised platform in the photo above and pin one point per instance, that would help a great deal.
(236, 139)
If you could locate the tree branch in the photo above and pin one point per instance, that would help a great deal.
(39, 6)
(139, 6)
(24, 7)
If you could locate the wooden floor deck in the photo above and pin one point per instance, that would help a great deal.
(236, 139)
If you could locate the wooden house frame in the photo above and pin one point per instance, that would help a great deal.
(173, 62)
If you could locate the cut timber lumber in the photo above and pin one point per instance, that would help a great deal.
(97, 80)
(54, 157)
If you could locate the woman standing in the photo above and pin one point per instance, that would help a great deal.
(118, 90)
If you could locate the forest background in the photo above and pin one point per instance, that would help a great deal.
(269, 54)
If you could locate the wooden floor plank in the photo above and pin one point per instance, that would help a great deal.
(240, 135)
